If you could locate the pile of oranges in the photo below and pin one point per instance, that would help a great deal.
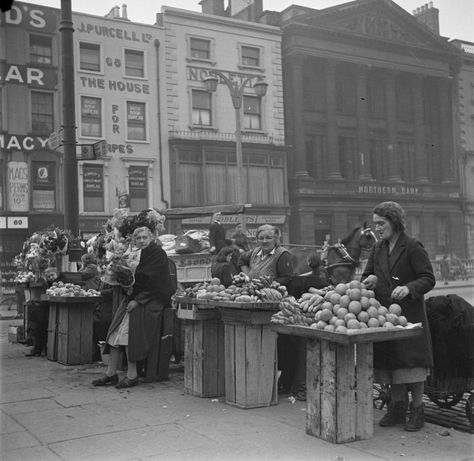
(352, 306)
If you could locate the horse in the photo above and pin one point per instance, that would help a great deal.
(343, 257)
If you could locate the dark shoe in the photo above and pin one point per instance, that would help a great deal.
(105, 380)
(417, 418)
(33, 353)
(396, 414)
(127, 382)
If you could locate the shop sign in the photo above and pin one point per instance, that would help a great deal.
(90, 106)
(136, 112)
(31, 16)
(31, 76)
(17, 222)
(384, 189)
(92, 180)
(3, 222)
(271, 219)
(137, 177)
(197, 220)
(10, 142)
(44, 173)
(18, 186)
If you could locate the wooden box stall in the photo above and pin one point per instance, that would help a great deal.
(339, 379)
(251, 379)
(70, 329)
(204, 372)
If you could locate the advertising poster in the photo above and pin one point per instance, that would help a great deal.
(18, 186)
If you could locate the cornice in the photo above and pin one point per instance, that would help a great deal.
(218, 20)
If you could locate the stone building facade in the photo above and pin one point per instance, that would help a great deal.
(369, 100)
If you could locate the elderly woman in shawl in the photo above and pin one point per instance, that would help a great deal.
(137, 319)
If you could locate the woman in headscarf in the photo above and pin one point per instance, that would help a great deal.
(400, 272)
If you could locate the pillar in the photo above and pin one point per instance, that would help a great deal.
(297, 113)
(362, 127)
(446, 131)
(421, 160)
(334, 171)
(391, 117)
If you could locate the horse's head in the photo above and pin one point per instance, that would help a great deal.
(367, 237)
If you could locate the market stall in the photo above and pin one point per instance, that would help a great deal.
(341, 324)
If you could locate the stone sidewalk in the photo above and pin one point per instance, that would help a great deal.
(51, 412)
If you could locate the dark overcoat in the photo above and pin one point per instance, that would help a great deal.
(407, 265)
(152, 290)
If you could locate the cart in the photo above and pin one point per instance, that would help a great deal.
(452, 378)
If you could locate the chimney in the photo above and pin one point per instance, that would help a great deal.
(429, 16)
(215, 7)
(124, 11)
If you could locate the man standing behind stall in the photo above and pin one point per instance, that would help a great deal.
(216, 233)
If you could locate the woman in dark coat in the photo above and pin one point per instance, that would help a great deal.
(137, 320)
(403, 274)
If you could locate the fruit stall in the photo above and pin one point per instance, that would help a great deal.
(229, 347)
(341, 324)
(70, 323)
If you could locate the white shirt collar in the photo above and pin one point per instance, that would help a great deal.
(262, 256)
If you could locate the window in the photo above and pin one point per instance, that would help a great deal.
(442, 235)
(378, 165)
(2, 188)
(89, 57)
(134, 63)
(314, 87)
(347, 150)
(201, 108)
(42, 118)
(406, 155)
(93, 187)
(41, 49)
(404, 100)
(376, 96)
(316, 160)
(345, 91)
(136, 121)
(44, 189)
(252, 116)
(138, 187)
(200, 48)
(250, 56)
(210, 177)
(91, 117)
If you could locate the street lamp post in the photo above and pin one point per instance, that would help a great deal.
(236, 93)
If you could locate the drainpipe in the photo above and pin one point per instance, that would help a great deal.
(162, 188)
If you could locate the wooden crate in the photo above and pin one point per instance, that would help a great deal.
(204, 370)
(339, 379)
(250, 358)
(70, 329)
(196, 309)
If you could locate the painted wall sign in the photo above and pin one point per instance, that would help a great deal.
(93, 180)
(137, 177)
(31, 16)
(113, 32)
(197, 74)
(18, 184)
(114, 85)
(24, 75)
(17, 222)
(12, 142)
(387, 189)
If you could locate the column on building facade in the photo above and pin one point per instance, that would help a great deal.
(297, 96)
(362, 126)
(446, 131)
(391, 117)
(421, 160)
(334, 171)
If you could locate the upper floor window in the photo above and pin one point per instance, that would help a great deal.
(376, 96)
(41, 49)
(91, 117)
(93, 187)
(89, 57)
(138, 187)
(201, 108)
(252, 113)
(345, 91)
(134, 63)
(200, 48)
(250, 56)
(42, 112)
(404, 100)
(136, 121)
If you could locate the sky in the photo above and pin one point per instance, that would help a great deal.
(456, 17)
